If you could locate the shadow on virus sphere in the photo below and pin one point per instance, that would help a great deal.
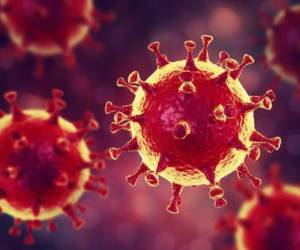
(192, 122)
(50, 28)
(46, 165)
(269, 219)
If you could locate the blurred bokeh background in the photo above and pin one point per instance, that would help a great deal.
(135, 218)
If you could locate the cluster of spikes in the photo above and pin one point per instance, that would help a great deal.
(95, 183)
(94, 22)
(123, 117)
(230, 222)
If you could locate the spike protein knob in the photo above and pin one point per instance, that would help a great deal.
(269, 219)
(192, 122)
(51, 27)
(46, 165)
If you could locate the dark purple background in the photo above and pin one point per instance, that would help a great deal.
(135, 218)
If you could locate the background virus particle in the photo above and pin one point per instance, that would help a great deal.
(192, 122)
(45, 165)
(269, 219)
(282, 50)
(51, 27)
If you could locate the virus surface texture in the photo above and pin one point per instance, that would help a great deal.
(45, 165)
(269, 219)
(51, 27)
(192, 122)
(283, 46)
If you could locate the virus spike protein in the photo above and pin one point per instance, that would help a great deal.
(45, 165)
(62, 25)
(192, 122)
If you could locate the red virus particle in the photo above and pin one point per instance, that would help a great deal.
(45, 165)
(192, 122)
(282, 50)
(269, 219)
(51, 27)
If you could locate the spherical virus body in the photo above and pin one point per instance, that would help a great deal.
(192, 122)
(268, 220)
(45, 165)
(51, 27)
(283, 46)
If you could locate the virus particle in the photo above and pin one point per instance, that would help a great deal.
(46, 165)
(192, 122)
(269, 219)
(282, 44)
(51, 27)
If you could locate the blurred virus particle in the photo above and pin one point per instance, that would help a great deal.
(51, 27)
(46, 165)
(282, 50)
(269, 219)
(192, 122)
